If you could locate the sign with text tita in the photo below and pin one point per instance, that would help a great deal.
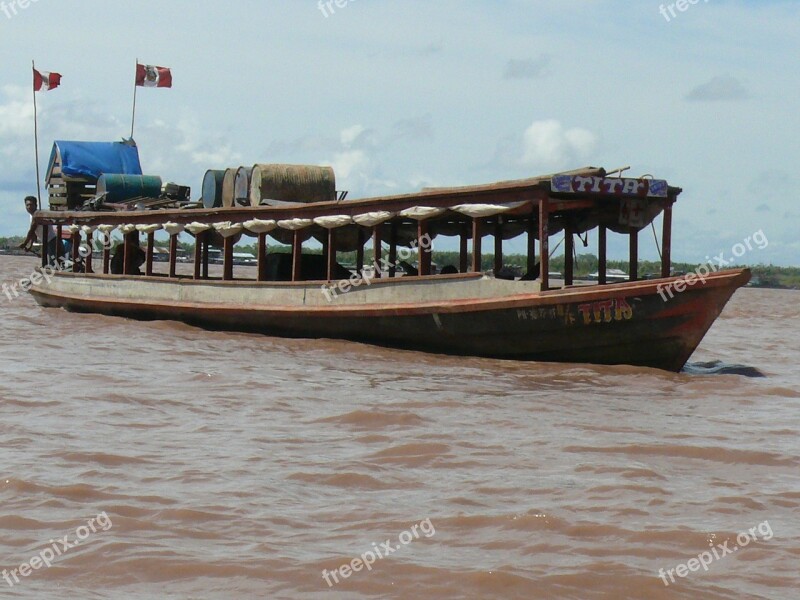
(609, 186)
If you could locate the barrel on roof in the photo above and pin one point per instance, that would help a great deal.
(228, 181)
(119, 188)
(212, 188)
(292, 183)
(241, 186)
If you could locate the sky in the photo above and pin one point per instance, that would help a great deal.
(401, 94)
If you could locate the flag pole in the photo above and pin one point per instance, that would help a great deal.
(36, 139)
(133, 118)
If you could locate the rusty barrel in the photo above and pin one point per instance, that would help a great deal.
(228, 181)
(241, 186)
(292, 183)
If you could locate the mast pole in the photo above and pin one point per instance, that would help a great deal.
(133, 116)
(36, 143)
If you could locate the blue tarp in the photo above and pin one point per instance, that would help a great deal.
(92, 159)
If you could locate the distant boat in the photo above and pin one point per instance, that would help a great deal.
(612, 276)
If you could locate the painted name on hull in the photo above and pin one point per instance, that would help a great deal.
(590, 313)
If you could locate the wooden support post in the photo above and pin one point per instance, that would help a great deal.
(531, 262)
(59, 245)
(45, 232)
(106, 254)
(331, 256)
(227, 259)
(477, 232)
(569, 254)
(76, 252)
(498, 246)
(206, 244)
(377, 250)
(393, 250)
(602, 259)
(198, 254)
(544, 243)
(463, 251)
(634, 263)
(297, 255)
(262, 256)
(148, 265)
(89, 257)
(360, 250)
(425, 255)
(325, 246)
(666, 241)
(127, 263)
(173, 255)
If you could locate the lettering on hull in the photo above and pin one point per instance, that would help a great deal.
(591, 313)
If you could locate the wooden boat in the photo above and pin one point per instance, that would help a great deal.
(654, 323)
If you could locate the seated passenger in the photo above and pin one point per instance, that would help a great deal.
(533, 275)
(118, 260)
(448, 270)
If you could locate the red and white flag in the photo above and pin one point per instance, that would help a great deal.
(42, 80)
(152, 76)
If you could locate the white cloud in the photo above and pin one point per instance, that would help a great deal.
(350, 164)
(351, 134)
(547, 144)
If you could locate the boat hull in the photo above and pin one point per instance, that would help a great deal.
(632, 323)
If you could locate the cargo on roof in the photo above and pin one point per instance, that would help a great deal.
(75, 167)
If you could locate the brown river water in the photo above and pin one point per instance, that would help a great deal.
(206, 465)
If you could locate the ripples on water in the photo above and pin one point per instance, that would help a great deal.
(239, 466)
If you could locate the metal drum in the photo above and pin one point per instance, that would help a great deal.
(227, 187)
(292, 183)
(241, 186)
(119, 188)
(212, 188)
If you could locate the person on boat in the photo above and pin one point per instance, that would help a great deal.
(31, 206)
(532, 275)
(118, 260)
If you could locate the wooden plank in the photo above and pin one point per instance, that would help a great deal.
(477, 232)
(531, 258)
(151, 241)
(424, 254)
(297, 256)
(602, 252)
(331, 255)
(666, 241)
(498, 246)
(262, 256)
(377, 249)
(198, 255)
(227, 259)
(544, 244)
(173, 254)
(463, 251)
(88, 259)
(45, 231)
(360, 250)
(569, 256)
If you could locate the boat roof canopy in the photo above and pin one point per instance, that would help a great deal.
(89, 160)
(578, 201)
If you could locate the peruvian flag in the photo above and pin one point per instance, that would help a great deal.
(42, 80)
(151, 76)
